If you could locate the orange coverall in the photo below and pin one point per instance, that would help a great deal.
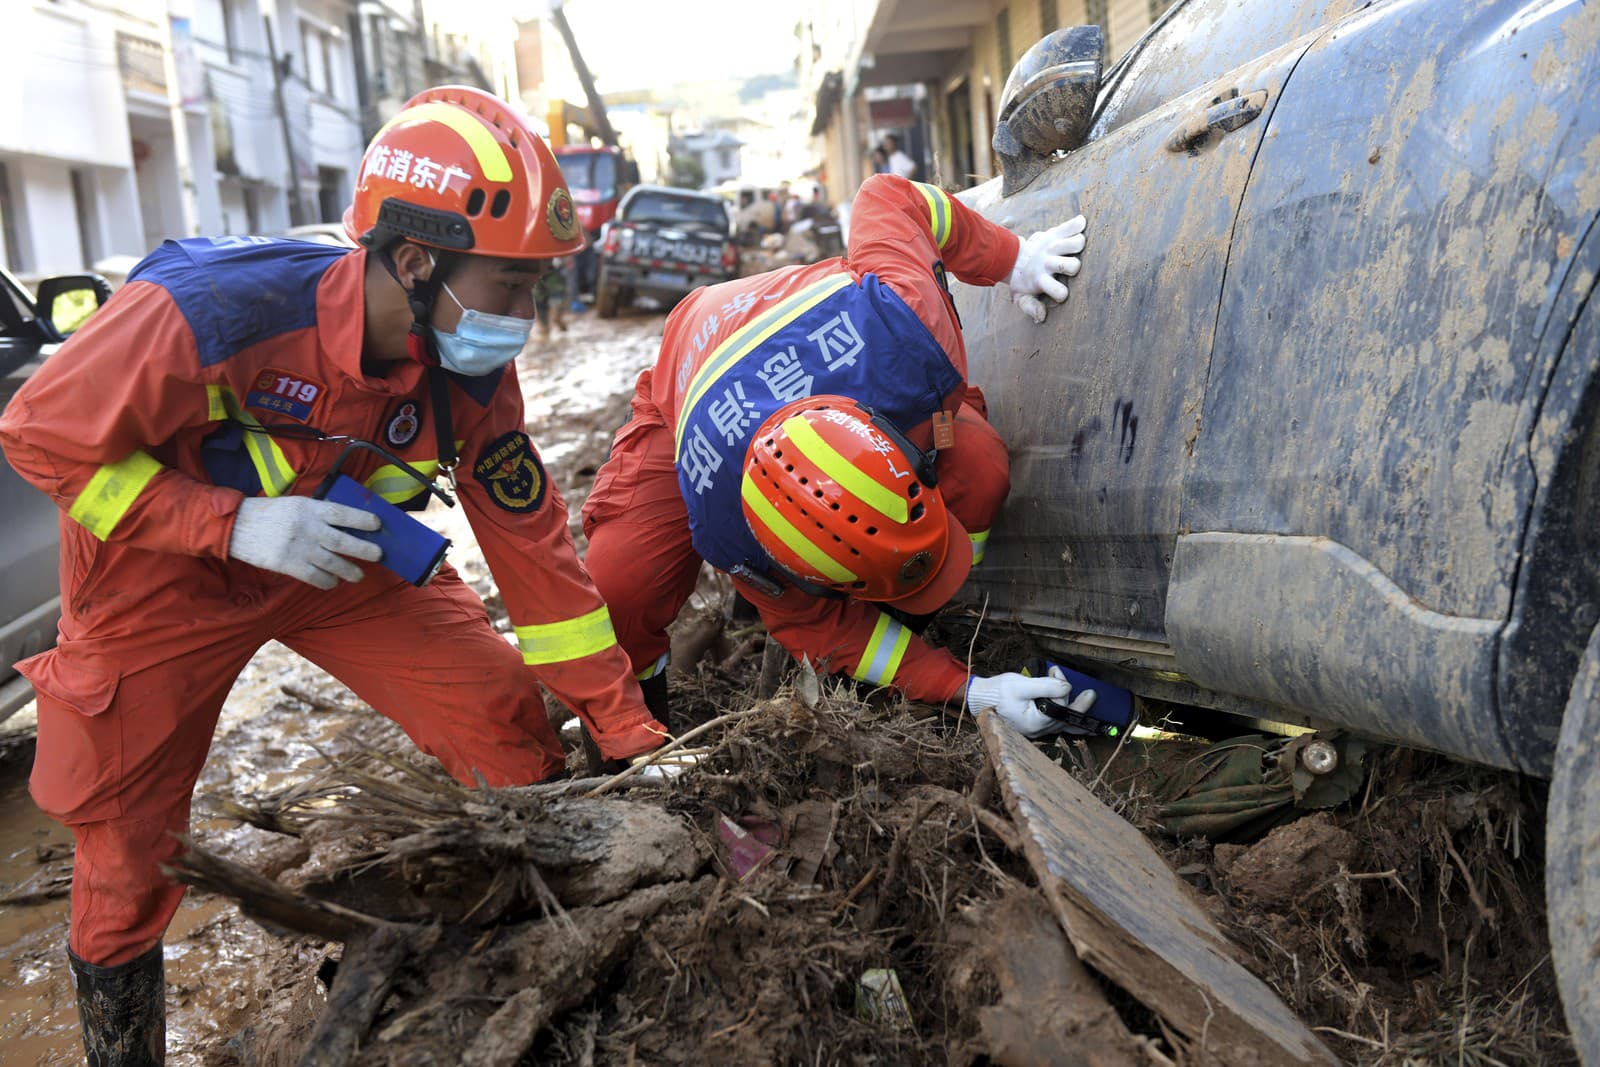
(133, 427)
(641, 554)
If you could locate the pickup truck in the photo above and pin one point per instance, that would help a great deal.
(664, 243)
(30, 594)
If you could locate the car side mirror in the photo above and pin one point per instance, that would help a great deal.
(66, 301)
(1048, 103)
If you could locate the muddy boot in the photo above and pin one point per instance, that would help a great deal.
(123, 1010)
(655, 699)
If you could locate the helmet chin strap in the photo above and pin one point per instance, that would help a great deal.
(421, 346)
(421, 295)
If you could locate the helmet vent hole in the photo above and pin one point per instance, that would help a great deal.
(475, 201)
(852, 518)
(834, 506)
(501, 204)
(916, 512)
(777, 453)
(858, 585)
(788, 466)
(817, 493)
(914, 490)
(872, 531)
(803, 480)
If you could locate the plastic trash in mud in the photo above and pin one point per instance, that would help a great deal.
(879, 998)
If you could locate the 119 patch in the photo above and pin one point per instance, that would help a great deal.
(510, 470)
(281, 393)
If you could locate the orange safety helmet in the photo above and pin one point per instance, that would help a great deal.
(458, 169)
(837, 496)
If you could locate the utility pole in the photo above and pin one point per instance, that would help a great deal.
(597, 107)
(296, 211)
(188, 196)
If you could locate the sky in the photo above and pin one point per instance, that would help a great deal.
(643, 44)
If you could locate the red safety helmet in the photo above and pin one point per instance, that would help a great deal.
(837, 496)
(458, 169)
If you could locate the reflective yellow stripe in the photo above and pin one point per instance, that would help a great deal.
(658, 667)
(396, 486)
(491, 157)
(557, 642)
(111, 492)
(272, 466)
(980, 541)
(726, 355)
(825, 564)
(938, 212)
(885, 649)
(890, 505)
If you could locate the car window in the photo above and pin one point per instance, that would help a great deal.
(1198, 41)
(669, 210)
(590, 170)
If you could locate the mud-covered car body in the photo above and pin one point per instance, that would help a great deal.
(30, 593)
(663, 244)
(1313, 438)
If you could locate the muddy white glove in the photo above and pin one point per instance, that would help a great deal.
(303, 538)
(670, 766)
(1040, 258)
(1012, 696)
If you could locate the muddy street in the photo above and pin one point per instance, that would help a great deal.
(576, 386)
(848, 879)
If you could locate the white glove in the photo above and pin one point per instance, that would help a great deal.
(1012, 696)
(1041, 257)
(302, 537)
(669, 766)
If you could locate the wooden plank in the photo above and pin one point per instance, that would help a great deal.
(1130, 918)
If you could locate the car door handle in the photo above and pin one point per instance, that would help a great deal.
(1224, 115)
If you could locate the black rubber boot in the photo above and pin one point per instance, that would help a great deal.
(660, 707)
(123, 1010)
(657, 700)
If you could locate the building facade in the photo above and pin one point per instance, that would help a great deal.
(931, 73)
(134, 121)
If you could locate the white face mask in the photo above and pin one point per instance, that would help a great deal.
(481, 343)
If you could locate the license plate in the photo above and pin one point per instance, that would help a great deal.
(681, 251)
(667, 278)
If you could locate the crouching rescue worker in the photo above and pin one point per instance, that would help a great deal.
(184, 431)
(810, 432)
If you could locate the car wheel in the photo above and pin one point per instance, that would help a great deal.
(1572, 858)
(605, 297)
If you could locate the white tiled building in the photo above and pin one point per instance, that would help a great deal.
(132, 121)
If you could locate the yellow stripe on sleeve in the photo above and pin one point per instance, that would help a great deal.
(557, 642)
(938, 212)
(111, 492)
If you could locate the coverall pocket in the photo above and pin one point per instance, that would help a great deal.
(77, 764)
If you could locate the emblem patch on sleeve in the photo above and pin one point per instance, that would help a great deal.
(511, 472)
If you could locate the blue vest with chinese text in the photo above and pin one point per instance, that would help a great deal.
(832, 337)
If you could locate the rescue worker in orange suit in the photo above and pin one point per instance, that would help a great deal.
(183, 431)
(810, 431)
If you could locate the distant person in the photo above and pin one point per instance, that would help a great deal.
(880, 161)
(900, 164)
